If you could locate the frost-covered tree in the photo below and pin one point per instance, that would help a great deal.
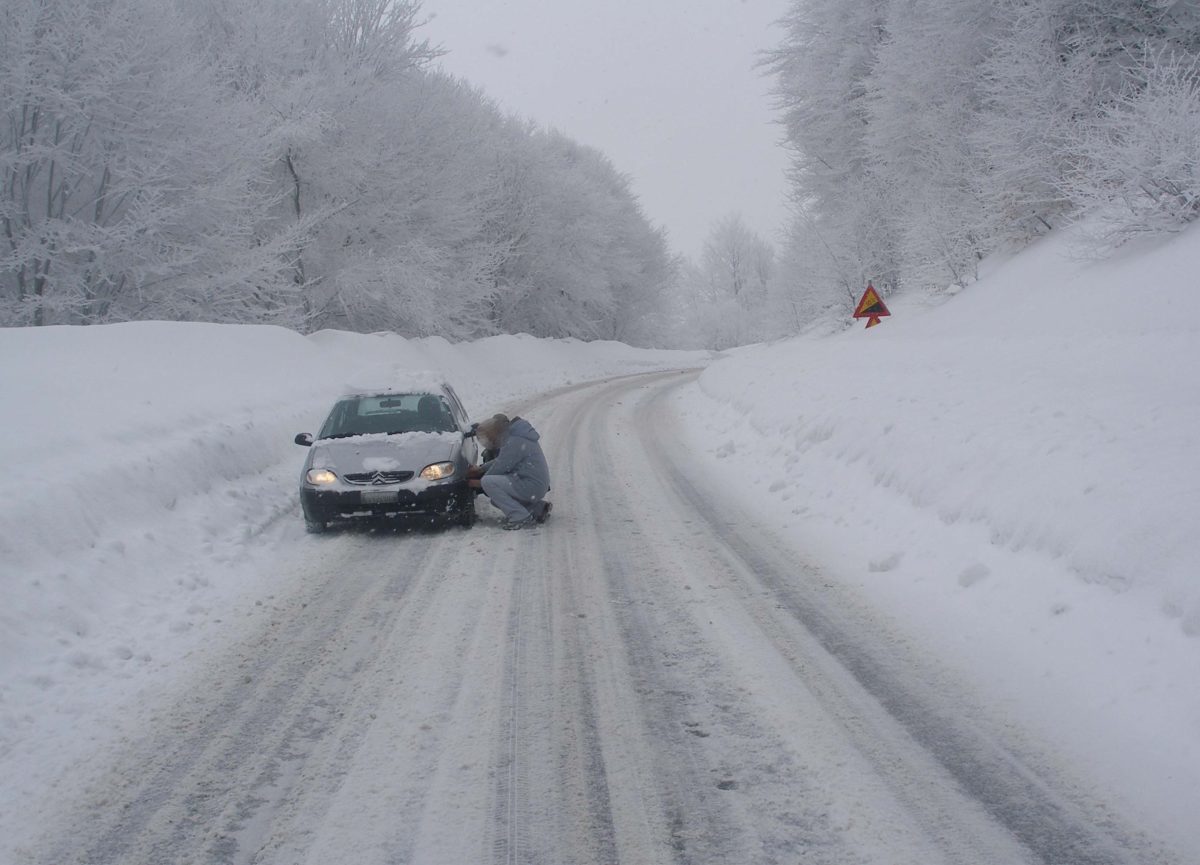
(736, 263)
(125, 184)
(1080, 98)
(580, 258)
(732, 295)
(332, 85)
(926, 134)
(1138, 161)
(299, 162)
(823, 71)
(919, 119)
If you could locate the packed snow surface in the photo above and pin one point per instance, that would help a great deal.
(1009, 476)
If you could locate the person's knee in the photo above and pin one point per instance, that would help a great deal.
(528, 492)
(496, 483)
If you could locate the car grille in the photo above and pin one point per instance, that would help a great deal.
(376, 478)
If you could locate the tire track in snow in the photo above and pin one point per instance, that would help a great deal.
(730, 786)
(365, 797)
(511, 794)
(551, 797)
(226, 750)
(690, 824)
(617, 777)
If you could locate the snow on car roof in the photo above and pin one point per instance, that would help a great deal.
(399, 381)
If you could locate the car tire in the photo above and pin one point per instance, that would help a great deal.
(466, 515)
(314, 527)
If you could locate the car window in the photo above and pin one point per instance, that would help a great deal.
(456, 407)
(388, 414)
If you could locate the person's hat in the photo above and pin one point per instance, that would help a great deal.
(495, 425)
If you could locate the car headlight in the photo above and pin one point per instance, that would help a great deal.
(437, 471)
(321, 477)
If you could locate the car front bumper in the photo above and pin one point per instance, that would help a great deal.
(324, 506)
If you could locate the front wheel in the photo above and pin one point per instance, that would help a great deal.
(315, 527)
(466, 514)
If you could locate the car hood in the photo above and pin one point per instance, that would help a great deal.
(382, 453)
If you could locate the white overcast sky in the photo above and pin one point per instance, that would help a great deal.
(666, 88)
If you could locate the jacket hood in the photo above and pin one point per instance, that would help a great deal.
(523, 429)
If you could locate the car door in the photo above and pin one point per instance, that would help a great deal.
(470, 443)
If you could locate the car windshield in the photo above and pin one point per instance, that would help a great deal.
(388, 414)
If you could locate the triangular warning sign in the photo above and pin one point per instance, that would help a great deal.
(871, 306)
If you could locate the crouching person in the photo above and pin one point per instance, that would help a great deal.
(518, 479)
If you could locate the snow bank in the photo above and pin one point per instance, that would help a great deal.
(1014, 476)
(1054, 406)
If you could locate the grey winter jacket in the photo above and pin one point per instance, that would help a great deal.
(521, 457)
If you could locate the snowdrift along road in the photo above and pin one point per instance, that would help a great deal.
(652, 677)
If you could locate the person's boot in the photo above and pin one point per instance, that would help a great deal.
(545, 514)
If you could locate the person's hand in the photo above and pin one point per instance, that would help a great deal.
(475, 483)
(474, 472)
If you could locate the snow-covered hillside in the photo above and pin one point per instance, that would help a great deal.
(1014, 475)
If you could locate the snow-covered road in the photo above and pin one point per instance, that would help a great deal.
(652, 677)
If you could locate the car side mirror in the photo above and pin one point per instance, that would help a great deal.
(304, 439)
(472, 432)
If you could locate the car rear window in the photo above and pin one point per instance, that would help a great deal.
(388, 414)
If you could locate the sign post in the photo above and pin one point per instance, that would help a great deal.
(871, 306)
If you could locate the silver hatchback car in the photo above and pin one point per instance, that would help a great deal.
(390, 454)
